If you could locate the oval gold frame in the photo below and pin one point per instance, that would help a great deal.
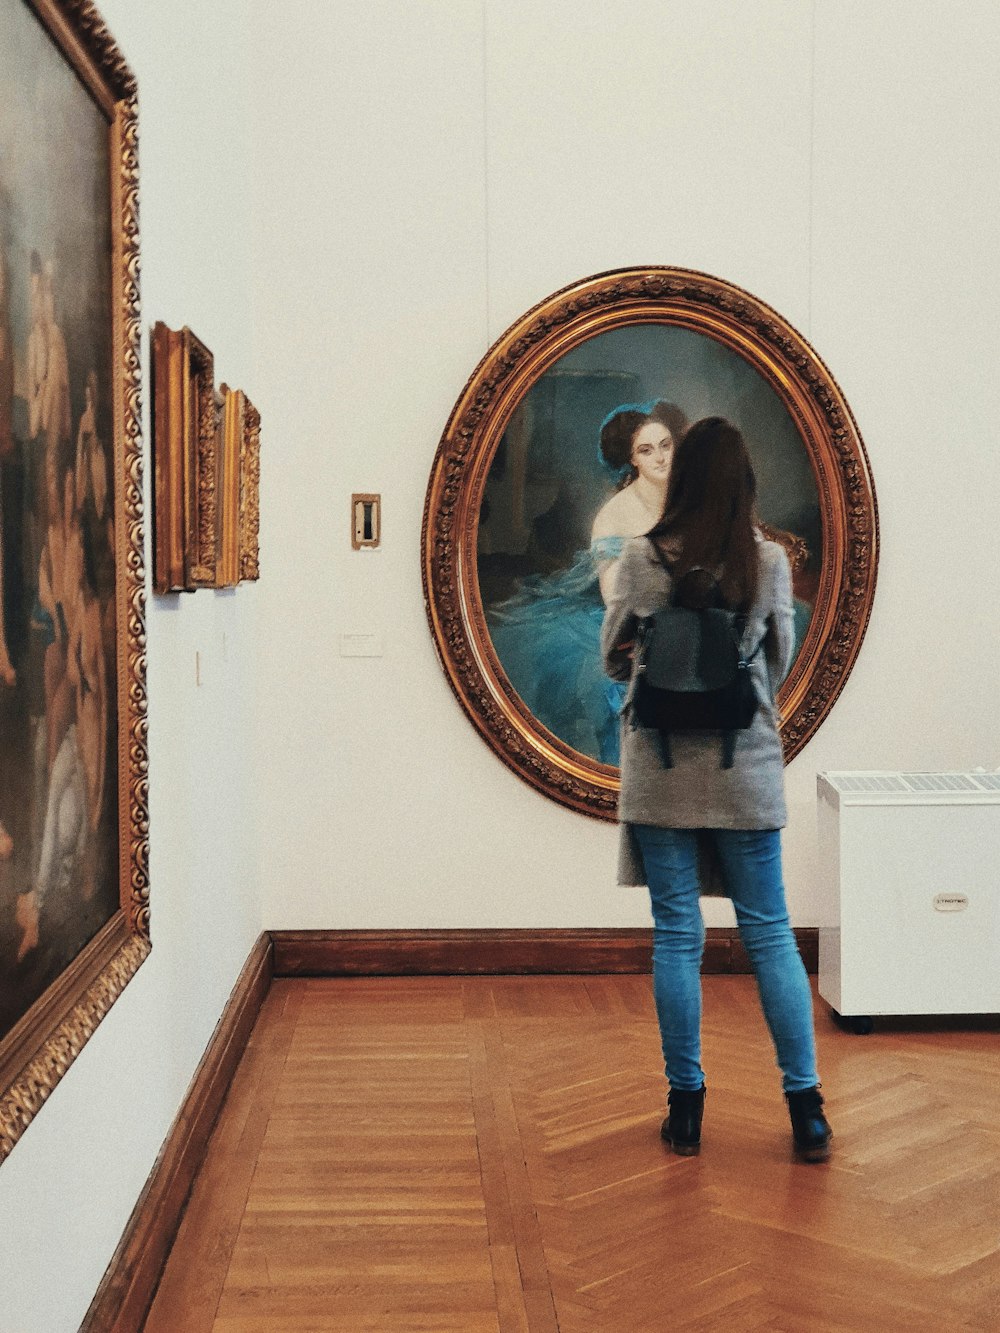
(530, 347)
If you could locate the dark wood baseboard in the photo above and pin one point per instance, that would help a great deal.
(127, 1289)
(400, 953)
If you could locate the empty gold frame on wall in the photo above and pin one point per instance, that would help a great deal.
(206, 460)
(510, 581)
(73, 756)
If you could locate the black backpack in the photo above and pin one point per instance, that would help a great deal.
(691, 671)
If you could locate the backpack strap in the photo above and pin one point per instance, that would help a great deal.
(729, 737)
(740, 623)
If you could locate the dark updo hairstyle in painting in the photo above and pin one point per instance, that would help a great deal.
(709, 516)
(671, 416)
(617, 434)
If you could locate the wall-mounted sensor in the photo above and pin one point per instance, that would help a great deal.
(366, 521)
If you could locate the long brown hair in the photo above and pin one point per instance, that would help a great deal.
(708, 516)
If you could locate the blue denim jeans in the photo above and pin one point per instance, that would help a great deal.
(751, 864)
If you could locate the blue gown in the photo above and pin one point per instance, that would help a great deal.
(547, 636)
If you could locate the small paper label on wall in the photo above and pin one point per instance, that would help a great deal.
(361, 645)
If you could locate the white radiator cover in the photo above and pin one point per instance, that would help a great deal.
(910, 866)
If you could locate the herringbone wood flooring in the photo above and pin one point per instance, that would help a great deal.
(476, 1154)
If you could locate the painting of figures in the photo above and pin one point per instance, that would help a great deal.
(59, 836)
(582, 467)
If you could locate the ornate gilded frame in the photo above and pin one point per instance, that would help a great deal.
(186, 458)
(36, 1053)
(240, 489)
(747, 326)
(206, 470)
(249, 490)
(231, 440)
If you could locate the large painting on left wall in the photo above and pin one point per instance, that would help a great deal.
(74, 895)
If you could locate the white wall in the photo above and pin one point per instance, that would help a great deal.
(68, 1188)
(415, 174)
(453, 163)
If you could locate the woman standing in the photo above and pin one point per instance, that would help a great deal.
(667, 813)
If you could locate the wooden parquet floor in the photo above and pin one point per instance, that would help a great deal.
(481, 1155)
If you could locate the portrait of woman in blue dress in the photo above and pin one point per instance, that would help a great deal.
(581, 469)
(547, 634)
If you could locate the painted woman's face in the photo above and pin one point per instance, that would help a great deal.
(652, 450)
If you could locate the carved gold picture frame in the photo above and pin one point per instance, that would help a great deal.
(246, 423)
(186, 455)
(239, 487)
(92, 361)
(231, 440)
(206, 467)
(755, 343)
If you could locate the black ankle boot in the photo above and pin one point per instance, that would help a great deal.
(810, 1129)
(682, 1127)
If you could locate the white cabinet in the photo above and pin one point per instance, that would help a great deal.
(910, 864)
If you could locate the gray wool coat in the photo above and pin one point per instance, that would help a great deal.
(697, 792)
